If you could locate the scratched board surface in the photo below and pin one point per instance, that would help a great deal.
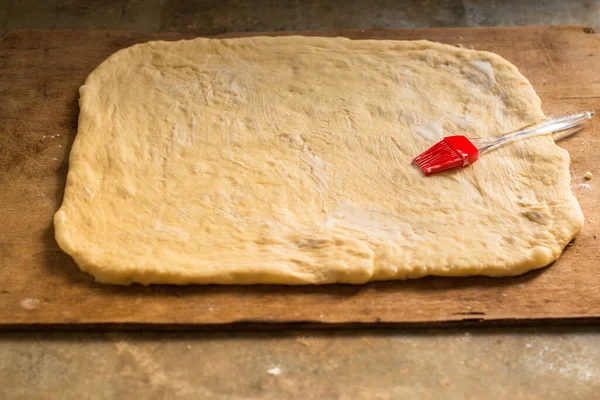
(40, 73)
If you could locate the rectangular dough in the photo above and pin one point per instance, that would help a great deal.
(288, 160)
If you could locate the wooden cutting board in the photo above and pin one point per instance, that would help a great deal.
(40, 73)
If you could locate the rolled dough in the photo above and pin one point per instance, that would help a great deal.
(288, 160)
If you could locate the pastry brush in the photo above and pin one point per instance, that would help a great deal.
(460, 151)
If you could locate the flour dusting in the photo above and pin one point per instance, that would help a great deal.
(169, 232)
(571, 366)
(318, 169)
(380, 224)
(486, 69)
(431, 132)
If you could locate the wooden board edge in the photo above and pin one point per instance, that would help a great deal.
(472, 323)
(326, 32)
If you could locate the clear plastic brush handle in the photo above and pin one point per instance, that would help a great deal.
(564, 126)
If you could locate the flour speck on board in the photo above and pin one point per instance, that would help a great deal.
(275, 371)
(30, 304)
(584, 186)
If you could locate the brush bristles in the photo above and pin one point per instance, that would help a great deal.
(439, 157)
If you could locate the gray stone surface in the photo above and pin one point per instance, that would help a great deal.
(531, 12)
(548, 363)
(207, 16)
(491, 364)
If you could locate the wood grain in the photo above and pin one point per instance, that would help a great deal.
(40, 72)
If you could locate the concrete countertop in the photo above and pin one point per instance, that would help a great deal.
(499, 363)
(540, 363)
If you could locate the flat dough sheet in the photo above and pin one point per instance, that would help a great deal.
(288, 160)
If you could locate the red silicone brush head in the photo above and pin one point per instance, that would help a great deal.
(451, 152)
